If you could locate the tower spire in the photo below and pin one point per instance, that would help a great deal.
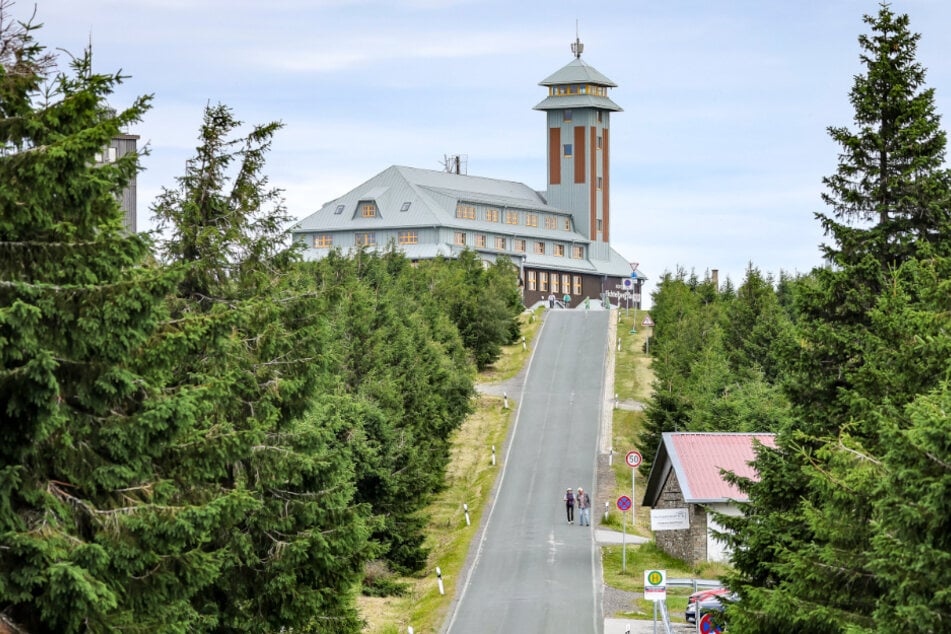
(577, 47)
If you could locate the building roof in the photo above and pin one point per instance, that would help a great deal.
(557, 102)
(697, 460)
(577, 72)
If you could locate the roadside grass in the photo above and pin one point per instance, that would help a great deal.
(469, 480)
(515, 357)
(632, 374)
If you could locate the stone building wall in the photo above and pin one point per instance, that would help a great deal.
(690, 544)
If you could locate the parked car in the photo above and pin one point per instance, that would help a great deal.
(709, 600)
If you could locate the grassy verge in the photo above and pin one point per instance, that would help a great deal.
(469, 481)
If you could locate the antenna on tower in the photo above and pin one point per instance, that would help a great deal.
(577, 47)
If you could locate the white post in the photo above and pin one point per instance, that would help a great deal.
(610, 456)
(409, 629)
(623, 542)
(627, 630)
(493, 455)
(442, 590)
(607, 506)
(615, 400)
(524, 347)
(465, 507)
(633, 497)
(505, 400)
(618, 344)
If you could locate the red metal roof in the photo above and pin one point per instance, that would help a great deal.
(698, 459)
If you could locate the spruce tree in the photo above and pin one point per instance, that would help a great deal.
(860, 362)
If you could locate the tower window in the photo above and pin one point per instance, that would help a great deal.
(511, 217)
(567, 116)
(492, 215)
(600, 142)
(600, 182)
(531, 220)
(465, 211)
(568, 149)
(540, 248)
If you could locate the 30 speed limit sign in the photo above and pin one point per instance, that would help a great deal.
(633, 459)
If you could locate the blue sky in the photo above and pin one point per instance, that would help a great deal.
(717, 159)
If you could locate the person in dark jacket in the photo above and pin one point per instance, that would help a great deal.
(570, 505)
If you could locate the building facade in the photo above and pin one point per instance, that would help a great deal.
(558, 239)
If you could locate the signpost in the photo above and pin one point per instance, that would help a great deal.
(648, 323)
(623, 504)
(633, 460)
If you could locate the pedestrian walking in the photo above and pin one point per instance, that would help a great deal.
(567, 300)
(570, 505)
(583, 502)
(551, 300)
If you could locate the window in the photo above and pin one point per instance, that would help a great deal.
(543, 286)
(577, 280)
(540, 248)
(532, 282)
(520, 245)
(577, 252)
(560, 250)
(567, 224)
(368, 210)
(108, 155)
(465, 211)
(460, 238)
(600, 223)
(600, 117)
(406, 206)
(531, 220)
(554, 284)
(500, 243)
(491, 215)
(564, 282)
(600, 181)
(551, 222)
(567, 116)
(600, 142)
(409, 236)
(568, 149)
(511, 217)
(323, 240)
(339, 209)
(480, 240)
(365, 239)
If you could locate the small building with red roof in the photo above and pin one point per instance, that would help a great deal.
(687, 473)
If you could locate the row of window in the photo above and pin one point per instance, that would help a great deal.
(560, 283)
(577, 89)
(368, 209)
(366, 238)
(501, 243)
(468, 212)
(519, 245)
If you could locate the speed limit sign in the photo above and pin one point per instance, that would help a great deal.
(633, 459)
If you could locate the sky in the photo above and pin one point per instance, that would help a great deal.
(717, 159)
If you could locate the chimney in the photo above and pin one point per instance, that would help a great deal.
(715, 276)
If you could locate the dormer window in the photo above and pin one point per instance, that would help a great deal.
(368, 209)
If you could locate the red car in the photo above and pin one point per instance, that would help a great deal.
(708, 600)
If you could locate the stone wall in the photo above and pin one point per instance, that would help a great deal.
(690, 544)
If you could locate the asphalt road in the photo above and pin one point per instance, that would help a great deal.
(534, 572)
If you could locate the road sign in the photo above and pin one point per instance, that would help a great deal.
(628, 282)
(670, 519)
(706, 623)
(623, 503)
(633, 459)
(648, 322)
(655, 585)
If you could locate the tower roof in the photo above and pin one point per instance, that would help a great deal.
(577, 72)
